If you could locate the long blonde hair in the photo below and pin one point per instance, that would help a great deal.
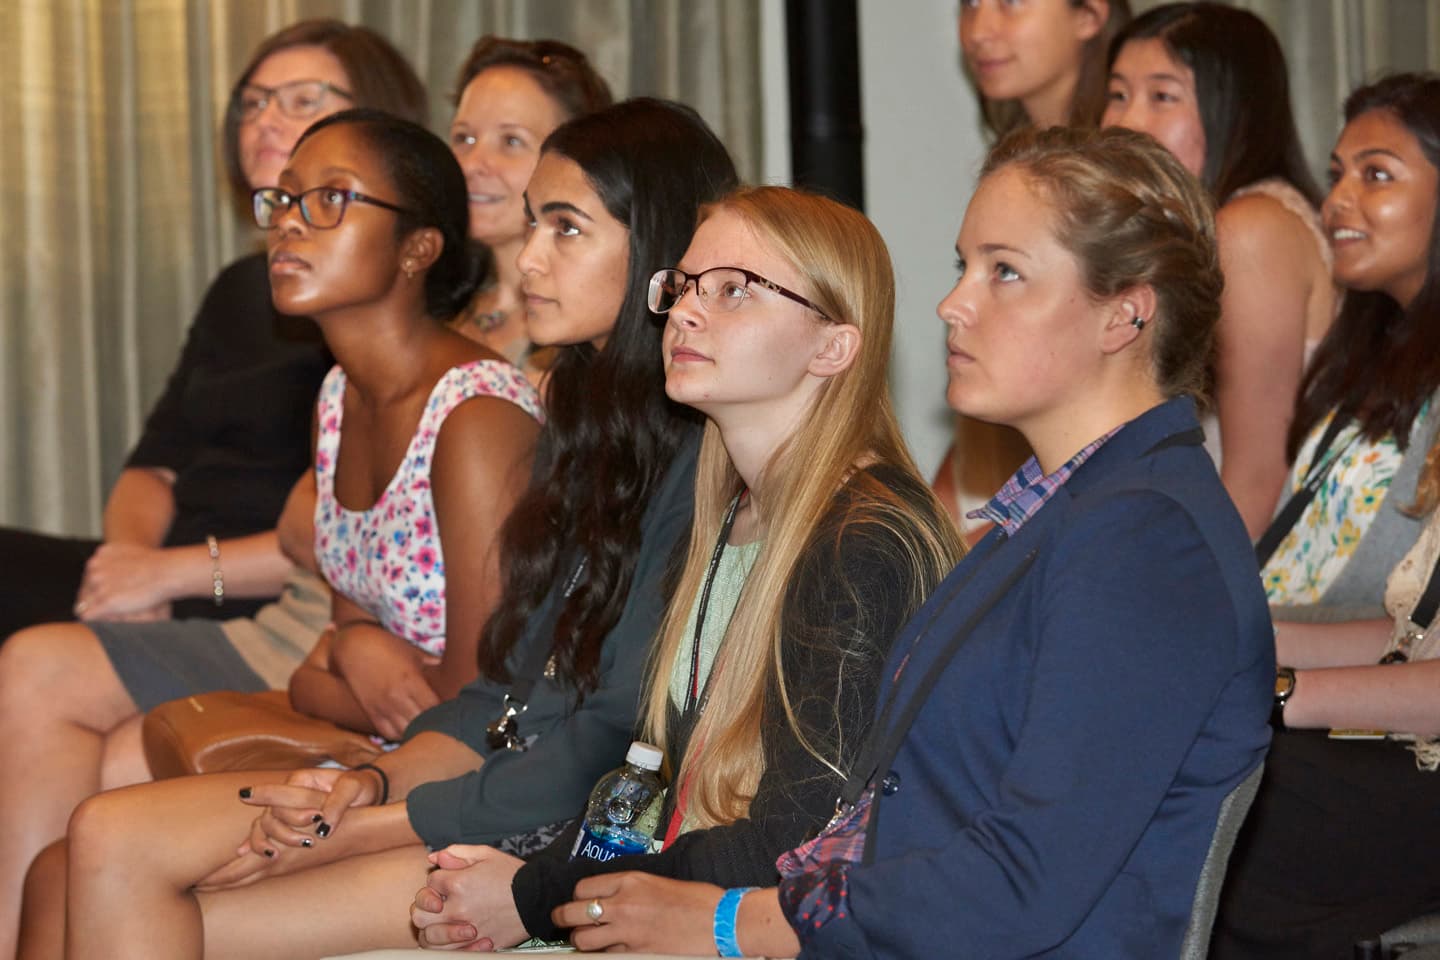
(852, 423)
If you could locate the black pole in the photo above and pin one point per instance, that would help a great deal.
(827, 136)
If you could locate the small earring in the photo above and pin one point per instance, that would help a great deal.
(409, 267)
(1138, 323)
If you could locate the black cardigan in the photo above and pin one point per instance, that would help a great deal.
(852, 592)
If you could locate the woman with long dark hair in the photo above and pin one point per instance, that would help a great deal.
(1365, 419)
(1208, 81)
(1340, 845)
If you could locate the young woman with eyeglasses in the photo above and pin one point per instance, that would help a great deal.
(1060, 726)
(192, 513)
(814, 539)
(583, 571)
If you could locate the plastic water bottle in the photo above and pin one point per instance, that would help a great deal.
(624, 809)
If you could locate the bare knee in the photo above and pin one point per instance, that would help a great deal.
(97, 834)
(60, 670)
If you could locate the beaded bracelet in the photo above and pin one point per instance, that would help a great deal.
(217, 575)
(726, 912)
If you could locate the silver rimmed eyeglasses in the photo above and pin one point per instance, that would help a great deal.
(322, 207)
(721, 289)
(298, 100)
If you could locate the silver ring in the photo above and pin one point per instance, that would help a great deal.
(594, 911)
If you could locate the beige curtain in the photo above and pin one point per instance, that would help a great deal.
(116, 215)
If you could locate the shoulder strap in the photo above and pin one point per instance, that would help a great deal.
(1424, 613)
(885, 739)
(1289, 515)
(503, 732)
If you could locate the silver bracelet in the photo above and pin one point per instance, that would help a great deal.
(217, 575)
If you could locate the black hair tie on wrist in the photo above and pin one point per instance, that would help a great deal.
(384, 781)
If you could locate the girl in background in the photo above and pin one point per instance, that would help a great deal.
(226, 441)
(1340, 845)
(1208, 81)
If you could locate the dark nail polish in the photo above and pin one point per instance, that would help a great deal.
(307, 842)
(317, 818)
(244, 793)
(269, 853)
(323, 830)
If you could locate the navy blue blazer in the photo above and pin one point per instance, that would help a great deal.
(1057, 793)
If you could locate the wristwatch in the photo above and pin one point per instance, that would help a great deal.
(1284, 687)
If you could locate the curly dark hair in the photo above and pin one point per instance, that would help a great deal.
(611, 432)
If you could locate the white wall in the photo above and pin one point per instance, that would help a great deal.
(922, 148)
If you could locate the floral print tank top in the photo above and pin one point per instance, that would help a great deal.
(387, 559)
(1322, 541)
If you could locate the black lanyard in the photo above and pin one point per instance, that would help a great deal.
(692, 692)
(1320, 468)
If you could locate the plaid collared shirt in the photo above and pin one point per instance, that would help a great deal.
(1028, 490)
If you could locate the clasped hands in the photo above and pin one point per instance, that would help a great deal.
(300, 825)
(467, 904)
(126, 581)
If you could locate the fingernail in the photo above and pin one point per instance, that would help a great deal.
(323, 830)
(307, 842)
(269, 853)
(317, 818)
(244, 793)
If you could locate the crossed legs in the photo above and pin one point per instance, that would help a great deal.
(135, 854)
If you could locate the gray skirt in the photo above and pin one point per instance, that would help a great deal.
(170, 659)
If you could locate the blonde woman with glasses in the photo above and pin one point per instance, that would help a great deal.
(814, 539)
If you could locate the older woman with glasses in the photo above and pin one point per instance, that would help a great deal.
(189, 526)
(512, 94)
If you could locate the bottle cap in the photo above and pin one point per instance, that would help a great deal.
(644, 755)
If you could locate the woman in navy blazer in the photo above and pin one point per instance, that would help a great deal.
(1067, 713)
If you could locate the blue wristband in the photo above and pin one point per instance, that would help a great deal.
(725, 913)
